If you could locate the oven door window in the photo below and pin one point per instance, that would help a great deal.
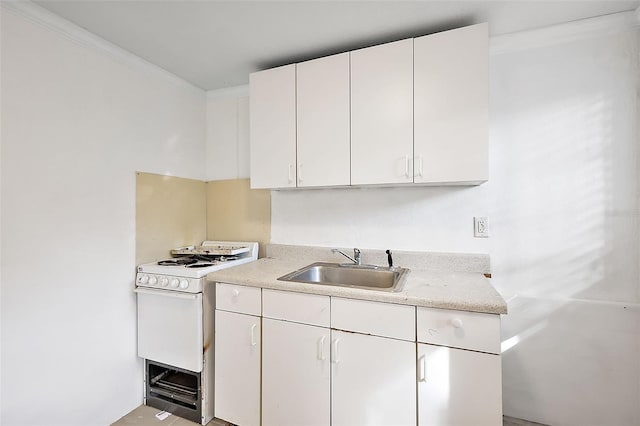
(170, 328)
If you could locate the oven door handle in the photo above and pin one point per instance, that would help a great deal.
(166, 293)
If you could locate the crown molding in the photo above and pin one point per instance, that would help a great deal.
(229, 92)
(49, 20)
(565, 32)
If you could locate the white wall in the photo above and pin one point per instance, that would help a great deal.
(77, 124)
(563, 206)
(415, 218)
(564, 199)
(227, 146)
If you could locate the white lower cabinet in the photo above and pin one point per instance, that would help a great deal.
(316, 376)
(237, 368)
(296, 374)
(458, 387)
(373, 380)
(304, 360)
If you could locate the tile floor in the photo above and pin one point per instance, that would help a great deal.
(512, 421)
(146, 416)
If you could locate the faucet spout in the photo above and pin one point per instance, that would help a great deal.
(356, 259)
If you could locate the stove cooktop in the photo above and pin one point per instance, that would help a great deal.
(199, 265)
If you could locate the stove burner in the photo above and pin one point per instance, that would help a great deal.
(199, 265)
(203, 257)
(178, 262)
(197, 260)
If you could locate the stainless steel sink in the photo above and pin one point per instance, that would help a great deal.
(347, 275)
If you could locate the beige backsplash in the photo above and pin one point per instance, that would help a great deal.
(173, 212)
(237, 212)
(170, 212)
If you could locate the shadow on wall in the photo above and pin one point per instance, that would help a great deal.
(564, 185)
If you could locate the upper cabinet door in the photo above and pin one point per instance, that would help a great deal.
(323, 121)
(273, 127)
(382, 114)
(451, 106)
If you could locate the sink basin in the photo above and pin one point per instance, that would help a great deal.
(347, 275)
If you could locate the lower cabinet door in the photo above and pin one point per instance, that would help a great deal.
(237, 368)
(458, 387)
(295, 374)
(373, 380)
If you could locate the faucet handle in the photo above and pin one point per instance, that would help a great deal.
(389, 258)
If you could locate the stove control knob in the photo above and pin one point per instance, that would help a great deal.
(164, 282)
(184, 284)
(174, 283)
(143, 279)
(153, 280)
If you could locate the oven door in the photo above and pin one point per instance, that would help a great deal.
(170, 328)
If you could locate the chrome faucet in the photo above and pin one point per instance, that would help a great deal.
(356, 259)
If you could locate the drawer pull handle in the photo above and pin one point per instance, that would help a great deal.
(321, 348)
(253, 334)
(422, 368)
(457, 322)
(236, 293)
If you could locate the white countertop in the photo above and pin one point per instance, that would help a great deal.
(465, 291)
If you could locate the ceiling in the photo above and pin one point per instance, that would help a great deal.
(216, 44)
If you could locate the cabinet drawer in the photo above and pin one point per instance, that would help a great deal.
(238, 298)
(298, 307)
(459, 329)
(377, 318)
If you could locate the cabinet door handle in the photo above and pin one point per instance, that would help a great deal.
(290, 171)
(420, 166)
(321, 348)
(335, 356)
(300, 173)
(253, 334)
(422, 368)
(406, 166)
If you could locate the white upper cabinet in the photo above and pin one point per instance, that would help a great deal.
(382, 114)
(451, 106)
(323, 121)
(273, 127)
(411, 111)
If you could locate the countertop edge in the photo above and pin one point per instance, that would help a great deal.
(264, 274)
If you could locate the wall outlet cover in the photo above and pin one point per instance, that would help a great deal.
(481, 227)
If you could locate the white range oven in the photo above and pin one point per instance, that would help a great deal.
(175, 325)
